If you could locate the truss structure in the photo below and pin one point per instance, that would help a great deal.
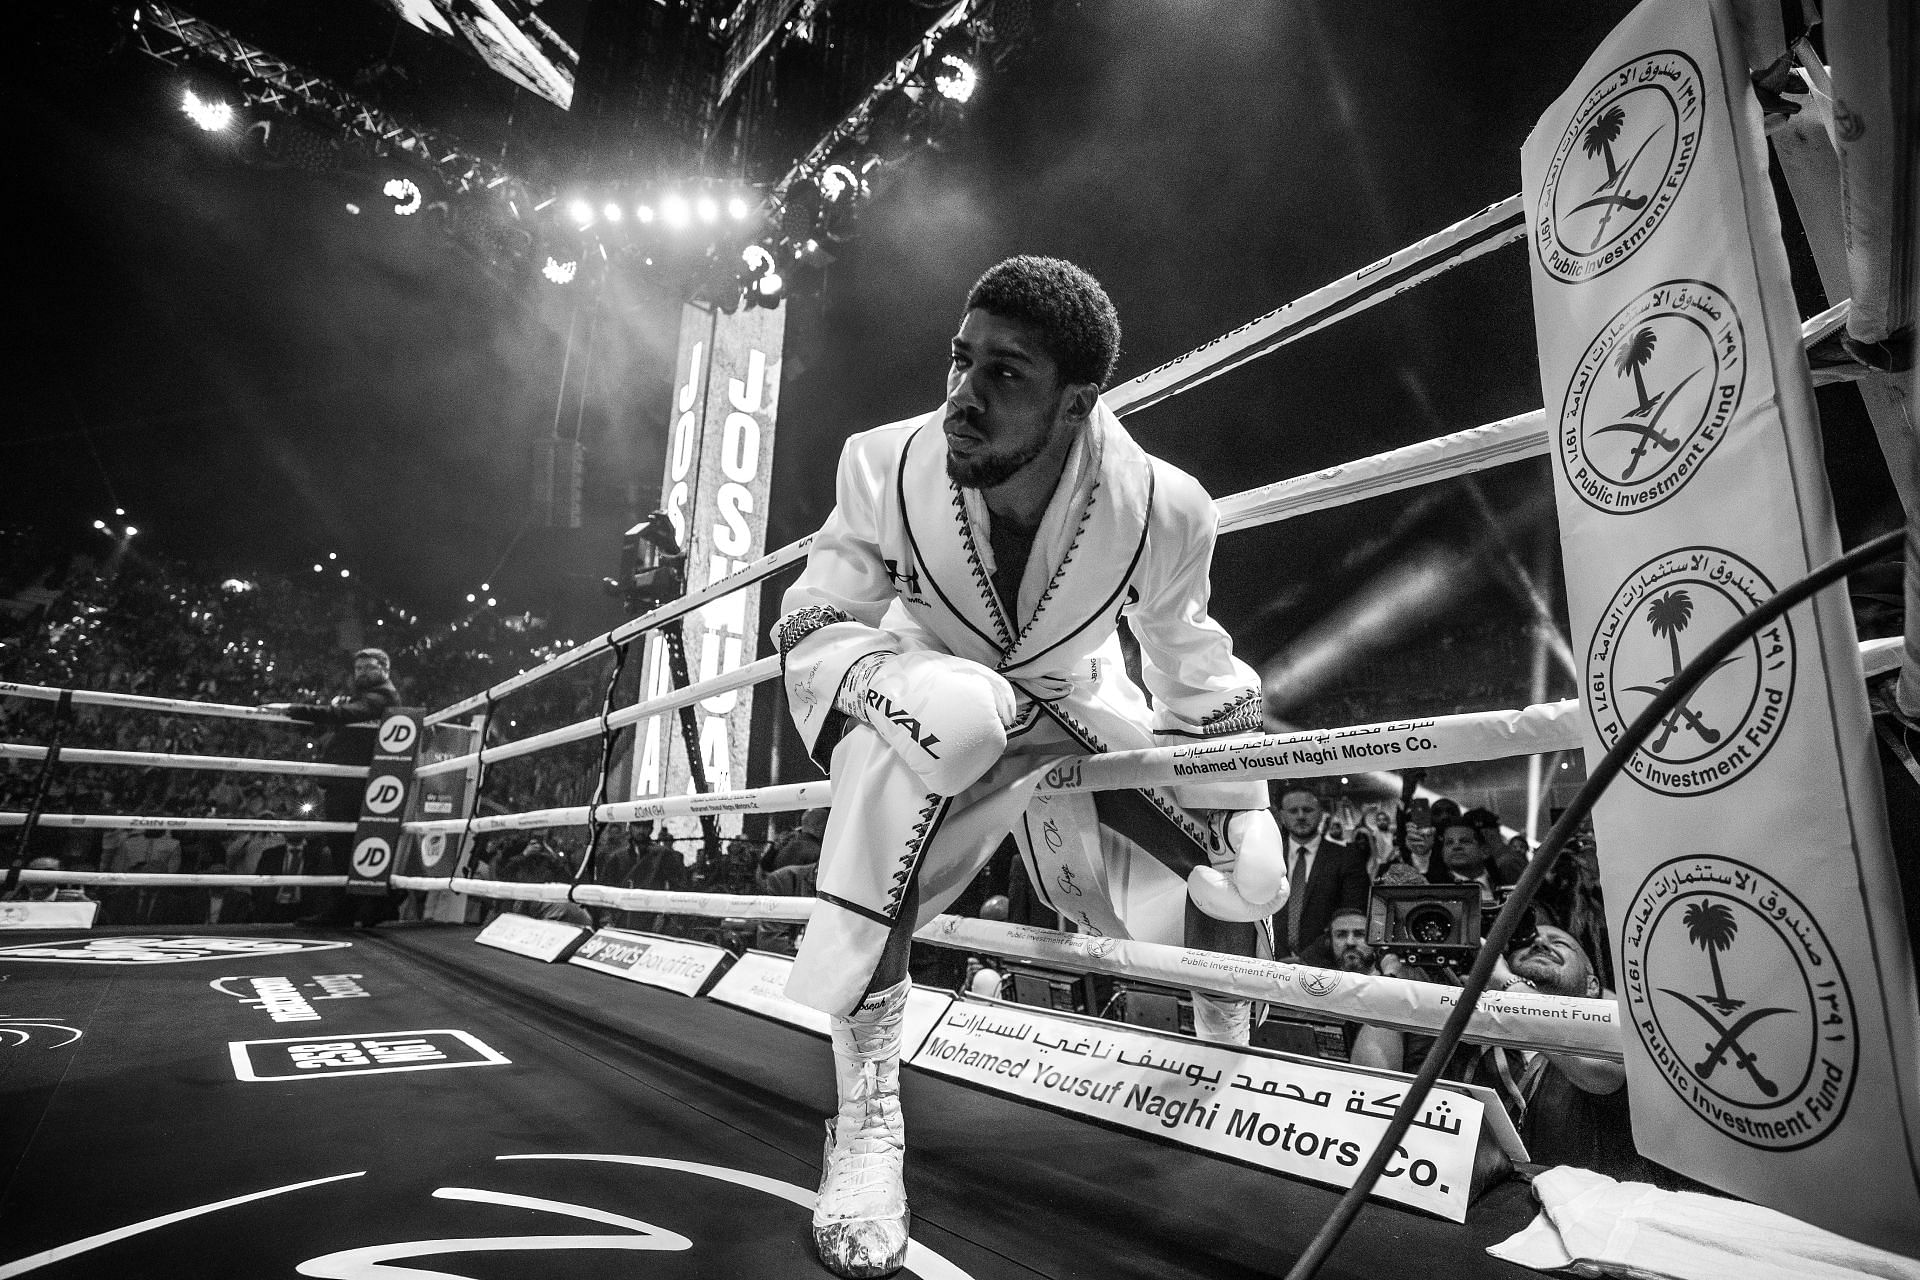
(180, 39)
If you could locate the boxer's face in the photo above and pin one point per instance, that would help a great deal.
(1006, 404)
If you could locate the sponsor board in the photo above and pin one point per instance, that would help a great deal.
(291, 999)
(48, 915)
(669, 963)
(546, 940)
(757, 982)
(1750, 882)
(161, 949)
(314, 1057)
(383, 803)
(1318, 1123)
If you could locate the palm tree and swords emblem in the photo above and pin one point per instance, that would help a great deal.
(1613, 193)
(1630, 359)
(1668, 616)
(1711, 926)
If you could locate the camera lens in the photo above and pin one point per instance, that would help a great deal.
(1429, 923)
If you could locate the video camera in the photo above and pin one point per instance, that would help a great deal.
(652, 565)
(1436, 925)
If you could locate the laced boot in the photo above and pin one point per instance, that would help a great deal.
(860, 1218)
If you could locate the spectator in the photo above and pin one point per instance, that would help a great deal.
(538, 864)
(1465, 858)
(802, 844)
(1323, 874)
(792, 880)
(281, 903)
(1344, 946)
(658, 866)
(47, 892)
(350, 741)
(1569, 1109)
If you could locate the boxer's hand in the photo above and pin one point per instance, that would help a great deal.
(1248, 878)
(945, 716)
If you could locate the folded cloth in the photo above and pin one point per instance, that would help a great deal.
(1598, 1227)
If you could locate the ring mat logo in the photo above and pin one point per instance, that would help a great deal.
(311, 1057)
(160, 949)
(1740, 1002)
(15, 1032)
(1646, 634)
(1620, 165)
(1652, 397)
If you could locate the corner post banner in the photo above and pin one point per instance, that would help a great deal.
(383, 805)
(719, 462)
(439, 796)
(1767, 978)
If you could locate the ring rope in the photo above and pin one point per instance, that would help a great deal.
(176, 760)
(141, 702)
(148, 822)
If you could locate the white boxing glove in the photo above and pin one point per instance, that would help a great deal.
(1248, 878)
(945, 716)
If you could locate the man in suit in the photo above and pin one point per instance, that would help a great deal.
(1325, 874)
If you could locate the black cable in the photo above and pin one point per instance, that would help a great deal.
(1495, 945)
(594, 825)
(62, 714)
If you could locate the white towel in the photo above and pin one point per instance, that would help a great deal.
(1599, 1227)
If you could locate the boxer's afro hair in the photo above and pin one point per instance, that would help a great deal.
(1074, 314)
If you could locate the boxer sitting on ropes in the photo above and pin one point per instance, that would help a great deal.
(954, 630)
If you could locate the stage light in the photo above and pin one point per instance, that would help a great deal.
(120, 511)
(770, 285)
(676, 210)
(738, 209)
(131, 531)
(957, 79)
(469, 597)
(644, 212)
(707, 209)
(345, 573)
(333, 555)
(405, 195)
(836, 181)
(612, 212)
(100, 525)
(491, 602)
(319, 568)
(581, 212)
(352, 207)
(212, 116)
(236, 586)
(559, 272)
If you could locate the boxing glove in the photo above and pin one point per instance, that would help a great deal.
(1247, 880)
(945, 717)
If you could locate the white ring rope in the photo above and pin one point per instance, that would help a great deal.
(183, 880)
(739, 678)
(141, 702)
(174, 760)
(151, 822)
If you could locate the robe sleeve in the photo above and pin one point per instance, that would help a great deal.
(830, 617)
(1200, 689)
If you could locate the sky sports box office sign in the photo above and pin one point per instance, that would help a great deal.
(548, 941)
(669, 963)
(1317, 1123)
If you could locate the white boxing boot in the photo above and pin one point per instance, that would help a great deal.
(860, 1217)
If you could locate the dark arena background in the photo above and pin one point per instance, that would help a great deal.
(365, 324)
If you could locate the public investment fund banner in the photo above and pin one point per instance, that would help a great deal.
(1766, 976)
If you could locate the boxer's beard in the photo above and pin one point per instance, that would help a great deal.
(984, 471)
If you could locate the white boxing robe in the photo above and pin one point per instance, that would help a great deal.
(904, 563)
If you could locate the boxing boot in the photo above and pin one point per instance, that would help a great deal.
(860, 1217)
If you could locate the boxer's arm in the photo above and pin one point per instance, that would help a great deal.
(1200, 689)
(830, 617)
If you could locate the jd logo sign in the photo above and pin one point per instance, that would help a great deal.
(1649, 630)
(398, 734)
(384, 794)
(1740, 1002)
(372, 858)
(1620, 166)
(1652, 397)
